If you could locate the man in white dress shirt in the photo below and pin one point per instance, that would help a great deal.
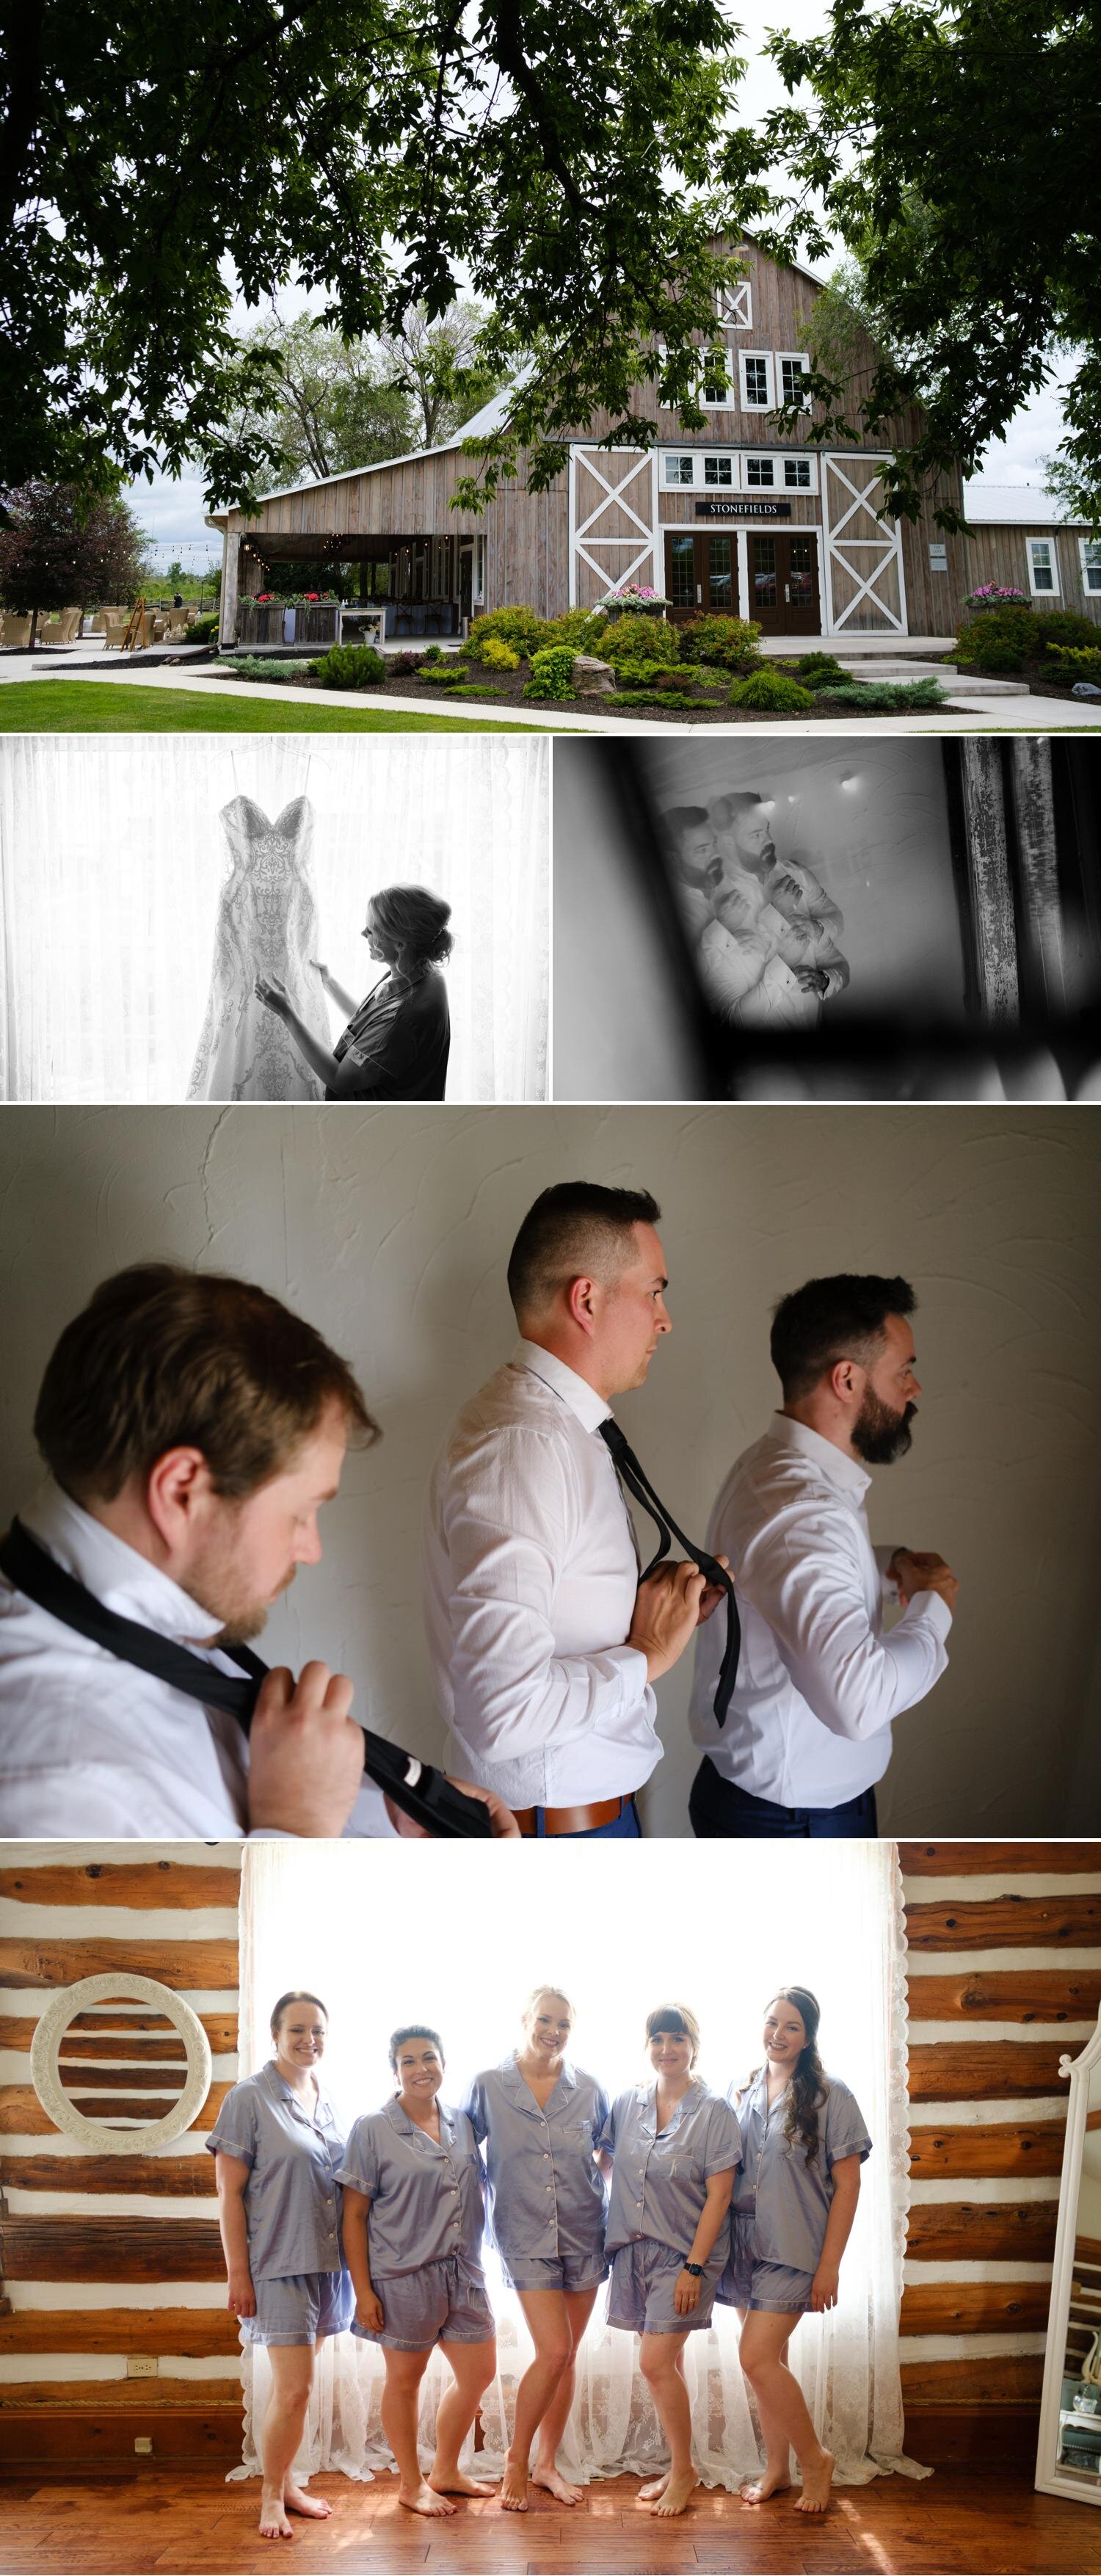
(193, 1427)
(544, 1644)
(770, 954)
(808, 1731)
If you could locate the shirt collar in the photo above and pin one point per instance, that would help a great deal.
(399, 2119)
(519, 2090)
(582, 1399)
(114, 1573)
(648, 2104)
(278, 2086)
(841, 1470)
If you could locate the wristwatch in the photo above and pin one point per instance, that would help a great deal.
(696, 2270)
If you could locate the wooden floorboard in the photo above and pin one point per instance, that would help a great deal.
(961, 2522)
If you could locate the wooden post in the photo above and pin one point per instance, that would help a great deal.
(993, 927)
(1043, 958)
(227, 606)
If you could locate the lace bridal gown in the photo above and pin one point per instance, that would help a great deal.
(267, 924)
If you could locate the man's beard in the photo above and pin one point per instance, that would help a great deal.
(879, 1434)
(240, 1616)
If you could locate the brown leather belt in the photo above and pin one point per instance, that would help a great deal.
(573, 1820)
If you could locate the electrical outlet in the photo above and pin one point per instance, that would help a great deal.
(143, 2442)
(141, 2365)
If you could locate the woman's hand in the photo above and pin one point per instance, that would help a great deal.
(369, 2313)
(241, 2297)
(823, 2290)
(319, 969)
(273, 994)
(686, 2296)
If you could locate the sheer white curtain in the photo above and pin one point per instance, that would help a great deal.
(111, 860)
(415, 1932)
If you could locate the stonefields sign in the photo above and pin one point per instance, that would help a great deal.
(743, 509)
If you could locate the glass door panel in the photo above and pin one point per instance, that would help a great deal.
(720, 575)
(764, 572)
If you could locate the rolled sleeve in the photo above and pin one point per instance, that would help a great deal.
(803, 1576)
(846, 2132)
(235, 2130)
(723, 2143)
(359, 2168)
(507, 1530)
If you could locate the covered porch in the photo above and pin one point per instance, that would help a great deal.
(410, 586)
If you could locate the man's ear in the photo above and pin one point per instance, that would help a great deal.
(846, 1381)
(177, 1485)
(583, 1299)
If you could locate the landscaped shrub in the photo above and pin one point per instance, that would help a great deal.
(1002, 639)
(581, 627)
(499, 656)
(523, 628)
(350, 666)
(814, 670)
(1067, 662)
(639, 643)
(403, 665)
(772, 691)
(202, 630)
(887, 697)
(732, 642)
(551, 674)
(447, 673)
(259, 666)
(1064, 626)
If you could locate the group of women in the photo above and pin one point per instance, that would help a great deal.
(684, 2197)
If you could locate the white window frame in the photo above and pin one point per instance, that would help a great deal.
(1086, 547)
(938, 555)
(769, 403)
(727, 401)
(734, 307)
(811, 484)
(751, 484)
(677, 483)
(1042, 590)
(721, 456)
(792, 358)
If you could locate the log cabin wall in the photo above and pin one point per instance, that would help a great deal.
(1004, 1974)
(108, 2259)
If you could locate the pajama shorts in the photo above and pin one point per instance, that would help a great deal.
(750, 2283)
(640, 2292)
(556, 2271)
(443, 2302)
(299, 2307)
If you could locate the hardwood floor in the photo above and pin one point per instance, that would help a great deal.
(962, 2522)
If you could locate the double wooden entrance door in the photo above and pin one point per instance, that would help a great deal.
(701, 574)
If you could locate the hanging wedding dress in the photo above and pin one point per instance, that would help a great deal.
(267, 924)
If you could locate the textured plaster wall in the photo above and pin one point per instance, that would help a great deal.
(391, 1230)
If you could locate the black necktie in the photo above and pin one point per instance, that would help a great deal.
(416, 1787)
(638, 1483)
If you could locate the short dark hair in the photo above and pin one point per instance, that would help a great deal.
(162, 1358)
(724, 810)
(417, 919)
(573, 1227)
(830, 1320)
(297, 1995)
(414, 2030)
(686, 818)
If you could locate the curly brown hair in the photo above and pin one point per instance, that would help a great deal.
(808, 2089)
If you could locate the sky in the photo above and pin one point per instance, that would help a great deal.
(172, 512)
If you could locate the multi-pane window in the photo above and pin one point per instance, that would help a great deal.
(756, 381)
(716, 380)
(1041, 564)
(938, 558)
(759, 473)
(680, 571)
(718, 470)
(792, 371)
(678, 469)
(1090, 550)
(797, 473)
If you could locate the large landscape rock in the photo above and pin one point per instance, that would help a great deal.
(592, 678)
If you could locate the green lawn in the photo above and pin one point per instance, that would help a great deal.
(105, 706)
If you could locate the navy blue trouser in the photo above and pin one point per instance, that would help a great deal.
(717, 1809)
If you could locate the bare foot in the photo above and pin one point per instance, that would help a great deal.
(758, 2490)
(273, 2521)
(455, 2482)
(816, 2486)
(514, 2487)
(296, 2501)
(556, 2485)
(676, 2493)
(421, 2500)
(649, 2494)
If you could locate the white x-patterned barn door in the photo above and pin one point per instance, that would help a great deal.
(613, 520)
(864, 587)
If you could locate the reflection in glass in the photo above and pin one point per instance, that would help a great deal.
(1079, 2441)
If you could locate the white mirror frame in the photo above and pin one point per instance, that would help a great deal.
(58, 2104)
(1049, 2479)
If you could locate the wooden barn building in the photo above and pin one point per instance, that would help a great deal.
(738, 516)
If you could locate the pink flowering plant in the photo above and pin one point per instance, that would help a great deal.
(992, 595)
(635, 594)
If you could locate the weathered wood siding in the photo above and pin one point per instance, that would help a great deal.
(1001, 554)
(988, 2108)
(106, 2256)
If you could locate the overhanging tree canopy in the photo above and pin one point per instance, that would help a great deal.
(560, 158)
(955, 146)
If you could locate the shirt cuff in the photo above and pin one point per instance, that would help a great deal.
(931, 1608)
(883, 1557)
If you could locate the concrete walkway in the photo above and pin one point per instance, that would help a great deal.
(964, 715)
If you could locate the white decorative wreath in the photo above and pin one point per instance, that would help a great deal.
(59, 2105)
